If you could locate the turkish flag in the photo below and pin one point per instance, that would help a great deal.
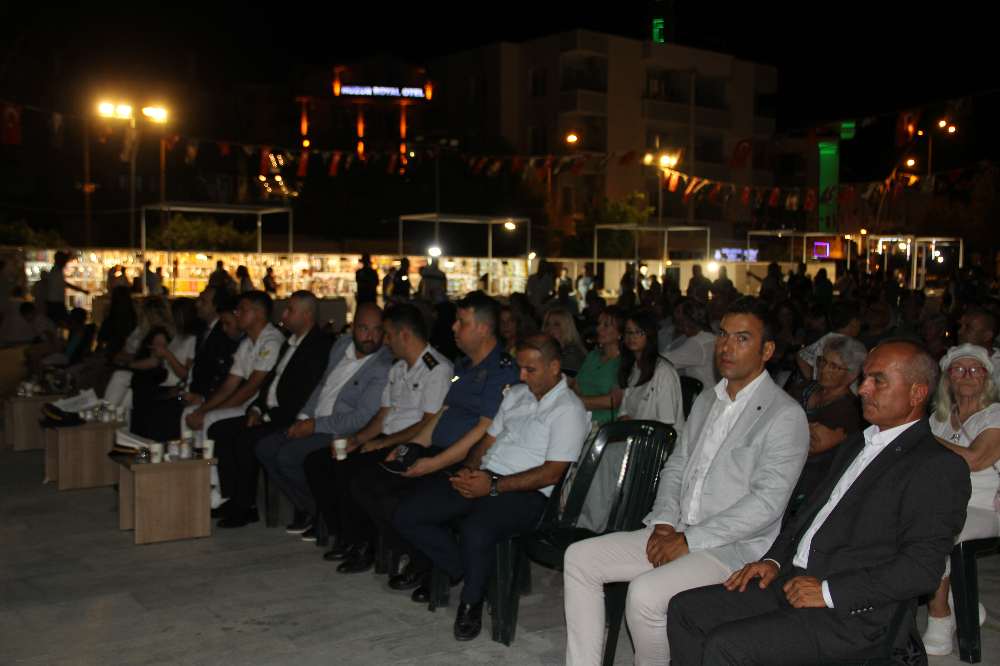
(741, 154)
(674, 177)
(745, 197)
(303, 165)
(775, 197)
(265, 160)
(10, 124)
(714, 194)
(811, 194)
(847, 193)
(627, 158)
(906, 126)
(478, 169)
(334, 163)
(690, 188)
(579, 165)
(515, 164)
(545, 168)
(223, 147)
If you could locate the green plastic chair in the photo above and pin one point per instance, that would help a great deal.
(647, 446)
(690, 389)
(965, 591)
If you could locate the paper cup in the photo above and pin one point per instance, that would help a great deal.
(156, 452)
(207, 448)
(340, 445)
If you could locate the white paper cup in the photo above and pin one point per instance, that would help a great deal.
(207, 448)
(156, 452)
(340, 446)
(174, 449)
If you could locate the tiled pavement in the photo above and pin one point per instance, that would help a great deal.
(75, 590)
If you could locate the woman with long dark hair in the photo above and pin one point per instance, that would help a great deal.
(652, 388)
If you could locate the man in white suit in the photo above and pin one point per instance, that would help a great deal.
(721, 497)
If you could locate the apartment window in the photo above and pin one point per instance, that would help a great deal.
(539, 82)
(538, 140)
(708, 149)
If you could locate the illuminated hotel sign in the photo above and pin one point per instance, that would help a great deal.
(381, 91)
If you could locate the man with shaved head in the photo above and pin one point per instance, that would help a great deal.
(344, 400)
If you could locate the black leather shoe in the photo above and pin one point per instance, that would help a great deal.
(340, 551)
(301, 523)
(233, 520)
(422, 594)
(469, 621)
(409, 578)
(362, 559)
(223, 511)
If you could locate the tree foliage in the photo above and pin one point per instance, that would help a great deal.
(611, 243)
(201, 233)
(19, 233)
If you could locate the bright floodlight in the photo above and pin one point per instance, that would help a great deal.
(910, 162)
(531, 256)
(902, 245)
(864, 231)
(123, 110)
(106, 109)
(434, 251)
(712, 267)
(942, 123)
(278, 178)
(156, 114)
(940, 260)
(951, 130)
(262, 177)
(510, 225)
(571, 137)
(647, 158)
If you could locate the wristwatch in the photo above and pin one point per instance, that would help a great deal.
(494, 487)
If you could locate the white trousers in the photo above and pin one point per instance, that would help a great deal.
(199, 437)
(621, 557)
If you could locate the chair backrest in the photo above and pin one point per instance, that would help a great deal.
(690, 389)
(646, 447)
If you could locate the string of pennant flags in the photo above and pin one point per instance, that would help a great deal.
(314, 161)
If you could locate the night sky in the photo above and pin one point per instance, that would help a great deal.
(835, 61)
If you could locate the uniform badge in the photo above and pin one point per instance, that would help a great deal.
(264, 353)
(506, 361)
(430, 361)
(480, 375)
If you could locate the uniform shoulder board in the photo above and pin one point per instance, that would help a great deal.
(430, 361)
(506, 360)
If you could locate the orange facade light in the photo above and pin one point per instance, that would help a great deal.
(304, 121)
(336, 82)
(402, 122)
(428, 90)
(361, 147)
(361, 122)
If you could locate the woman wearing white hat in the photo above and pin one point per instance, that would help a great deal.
(966, 419)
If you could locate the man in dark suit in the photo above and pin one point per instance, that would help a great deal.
(282, 396)
(876, 533)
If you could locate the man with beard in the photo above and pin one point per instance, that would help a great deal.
(346, 398)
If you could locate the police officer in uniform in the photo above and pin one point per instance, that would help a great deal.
(477, 389)
(412, 397)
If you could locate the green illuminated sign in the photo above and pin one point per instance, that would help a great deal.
(658, 35)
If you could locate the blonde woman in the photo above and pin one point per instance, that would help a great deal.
(559, 324)
(966, 419)
(156, 328)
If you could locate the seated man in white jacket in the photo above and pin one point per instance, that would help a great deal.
(721, 497)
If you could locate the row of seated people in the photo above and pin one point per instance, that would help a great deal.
(488, 451)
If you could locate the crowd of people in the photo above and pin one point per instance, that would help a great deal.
(823, 464)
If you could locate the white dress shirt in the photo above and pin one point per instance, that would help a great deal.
(875, 442)
(659, 399)
(412, 392)
(257, 355)
(530, 431)
(723, 415)
(336, 380)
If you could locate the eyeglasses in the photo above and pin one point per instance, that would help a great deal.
(634, 334)
(975, 372)
(821, 362)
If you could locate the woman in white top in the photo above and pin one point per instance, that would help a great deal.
(652, 387)
(177, 356)
(966, 419)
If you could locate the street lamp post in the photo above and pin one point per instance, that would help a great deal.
(124, 111)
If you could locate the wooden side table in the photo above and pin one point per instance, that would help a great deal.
(77, 457)
(21, 416)
(165, 501)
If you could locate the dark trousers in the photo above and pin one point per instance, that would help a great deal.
(378, 491)
(154, 415)
(329, 480)
(238, 466)
(420, 520)
(711, 625)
